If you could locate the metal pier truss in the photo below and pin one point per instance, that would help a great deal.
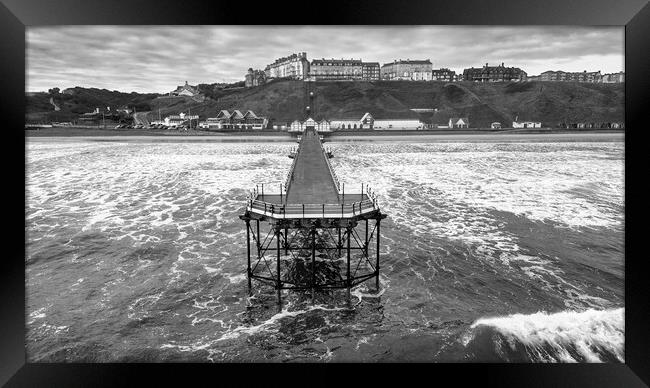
(311, 235)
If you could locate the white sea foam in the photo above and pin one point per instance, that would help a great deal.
(363, 340)
(234, 279)
(37, 314)
(589, 332)
(537, 185)
(185, 198)
(273, 321)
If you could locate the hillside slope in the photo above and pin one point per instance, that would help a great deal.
(40, 107)
(548, 102)
(284, 101)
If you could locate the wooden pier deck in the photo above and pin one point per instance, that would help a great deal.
(311, 181)
(312, 189)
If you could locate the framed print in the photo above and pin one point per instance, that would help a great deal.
(441, 189)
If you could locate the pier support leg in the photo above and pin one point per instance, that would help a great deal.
(377, 262)
(349, 281)
(257, 239)
(279, 281)
(248, 254)
(366, 240)
(286, 241)
(313, 262)
(339, 244)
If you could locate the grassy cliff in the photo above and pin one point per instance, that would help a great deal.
(284, 101)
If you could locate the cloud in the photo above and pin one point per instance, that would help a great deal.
(158, 58)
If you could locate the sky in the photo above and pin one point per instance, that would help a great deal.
(156, 59)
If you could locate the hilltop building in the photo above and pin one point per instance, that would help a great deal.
(494, 74)
(235, 120)
(343, 70)
(562, 76)
(443, 74)
(254, 78)
(613, 78)
(335, 69)
(409, 70)
(295, 66)
(185, 90)
(370, 71)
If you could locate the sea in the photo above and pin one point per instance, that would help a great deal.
(492, 251)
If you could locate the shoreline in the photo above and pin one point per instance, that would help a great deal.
(260, 138)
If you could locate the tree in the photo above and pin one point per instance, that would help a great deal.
(54, 91)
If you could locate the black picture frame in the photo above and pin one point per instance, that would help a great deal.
(15, 15)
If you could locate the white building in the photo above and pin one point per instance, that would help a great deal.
(185, 90)
(179, 119)
(613, 78)
(294, 66)
(397, 124)
(459, 122)
(365, 122)
(407, 70)
(319, 126)
(235, 120)
(526, 124)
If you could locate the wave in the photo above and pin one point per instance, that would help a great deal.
(566, 336)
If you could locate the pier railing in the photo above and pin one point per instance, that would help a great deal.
(258, 192)
(290, 174)
(273, 204)
(331, 170)
(290, 211)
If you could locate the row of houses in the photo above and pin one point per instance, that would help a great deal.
(236, 120)
(297, 66)
(494, 74)
(584, 76)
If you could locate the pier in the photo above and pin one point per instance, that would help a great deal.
(311, 234)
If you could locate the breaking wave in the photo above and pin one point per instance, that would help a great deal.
(567, 336)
